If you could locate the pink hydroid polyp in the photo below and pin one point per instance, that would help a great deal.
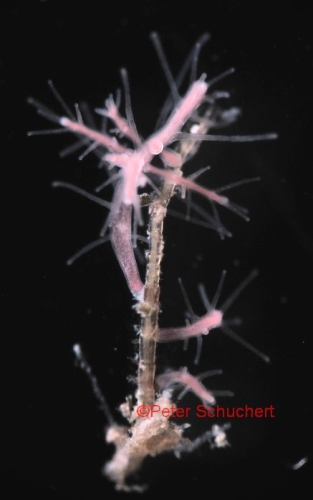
(201, 326)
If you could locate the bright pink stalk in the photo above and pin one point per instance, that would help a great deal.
(121, 239)
(190, 383)
(201, 326)
(98, 137)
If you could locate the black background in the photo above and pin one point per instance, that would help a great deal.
(53, 444)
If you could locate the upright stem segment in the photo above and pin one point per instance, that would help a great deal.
(149, 309)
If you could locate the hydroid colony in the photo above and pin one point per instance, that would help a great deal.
(145, 174)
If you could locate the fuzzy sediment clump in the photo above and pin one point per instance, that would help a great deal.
(146, 436)
(150, 433)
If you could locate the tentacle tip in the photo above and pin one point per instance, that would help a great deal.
(255, 272)
(63, 121)
(273, 136)
(266, 359)
(77, 350)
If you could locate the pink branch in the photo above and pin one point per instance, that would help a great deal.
(99, 137)
(112, 112)
(190, 382)
(188, 183)
(202, 326)
(121, 238)
(180, 115)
